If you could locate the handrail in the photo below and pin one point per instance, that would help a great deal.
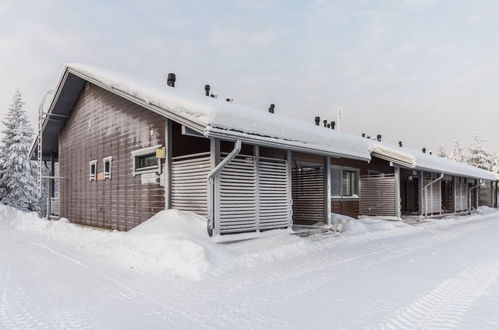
(211, 184)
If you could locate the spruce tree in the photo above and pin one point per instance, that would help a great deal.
(458, 153)
(478, 156)
(18, 173)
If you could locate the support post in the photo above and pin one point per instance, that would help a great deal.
(256, 154)
(213, 189)
(398, 211)
(454, 194)
(168, 164)
(289, 161)
(51, 186)
(421, 192)
(327, 192)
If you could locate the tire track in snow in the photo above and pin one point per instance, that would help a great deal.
(444, 306)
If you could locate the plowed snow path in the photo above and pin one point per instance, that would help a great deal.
(431, 277)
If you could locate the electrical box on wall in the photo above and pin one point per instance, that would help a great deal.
(161, 153)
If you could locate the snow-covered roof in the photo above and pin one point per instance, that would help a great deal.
(218, 118)
(425, 161)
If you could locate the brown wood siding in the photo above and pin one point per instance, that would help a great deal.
(103, 124)
(349, 208)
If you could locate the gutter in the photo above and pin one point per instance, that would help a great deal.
(425, 189)
(211, 185)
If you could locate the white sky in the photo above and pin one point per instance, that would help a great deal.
(422, 71)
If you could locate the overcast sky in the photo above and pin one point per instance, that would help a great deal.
(422, 71)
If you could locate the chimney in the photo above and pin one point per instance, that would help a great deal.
(317, 120)
(400, 144)
(431, 153)
(333, 124)
(229, 99)
(423, 150)
(170, 81)
(325, 122)
(328, 125)
(207, 90)
(378, 137)
(271, 108)
(363, 135)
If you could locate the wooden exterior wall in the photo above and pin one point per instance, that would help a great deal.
(103, 124)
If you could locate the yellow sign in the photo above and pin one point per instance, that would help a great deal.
(160, 153)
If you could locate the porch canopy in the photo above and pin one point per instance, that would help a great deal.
(209, 117)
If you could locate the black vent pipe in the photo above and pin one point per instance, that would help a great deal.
(271, 108)
(333, 125)
(207, 90)
(170, 81)
(317, 120)
(400, 144)
(378, 137)
(325, 122)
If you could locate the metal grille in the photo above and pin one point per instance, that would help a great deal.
(238, 196)
(274, 194)
(485, 194)
(433, 196)
(308, 189)
(188, 180)
(378, 195)
(54, 206)
(461, 195)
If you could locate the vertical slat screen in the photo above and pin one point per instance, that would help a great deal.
(189, 186)
(308, 191)
(433, 195)
(485, 194)
(275, 208)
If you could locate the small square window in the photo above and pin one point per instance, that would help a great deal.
(107, 167)
(92, 167)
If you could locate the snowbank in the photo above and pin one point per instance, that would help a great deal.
(176, 242)
(350, 227)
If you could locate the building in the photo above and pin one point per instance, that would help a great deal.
(127, 149)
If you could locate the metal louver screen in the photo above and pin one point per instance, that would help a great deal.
(308, 194)
(189, 187)
(433, 196)
(377, 195)
(485, 195)
(254, 195)
(274, 194)
(238, 196)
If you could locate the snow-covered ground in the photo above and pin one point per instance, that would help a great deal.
(167, 274)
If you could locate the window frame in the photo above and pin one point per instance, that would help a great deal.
(144, 152)
(92, 176)
(107, 174)
(342, 196)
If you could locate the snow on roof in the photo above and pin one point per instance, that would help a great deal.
(216, 116)
(424, 161)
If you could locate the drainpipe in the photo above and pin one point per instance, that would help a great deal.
(211, 184)
(425, 189)
(469, 195)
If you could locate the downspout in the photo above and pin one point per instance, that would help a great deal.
(211, 184)
(469, 195)
(425, 189)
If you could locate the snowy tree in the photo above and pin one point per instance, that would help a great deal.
(18, 173)
(441, 152)
(478, 156)
(458, 153)
(495, 168)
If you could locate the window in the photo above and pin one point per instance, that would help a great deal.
(92, 170)
(145, 161)
(344, 182)
(107, 167)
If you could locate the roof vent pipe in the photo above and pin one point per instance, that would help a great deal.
(424, 150)
(328, 125)
(229, 99)
(333, 124)
(378, 137)
(363, 135)
(207, 90)
(170, 81)
(400, 144)
(271, 108)
(317, 120)
(325, 122)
